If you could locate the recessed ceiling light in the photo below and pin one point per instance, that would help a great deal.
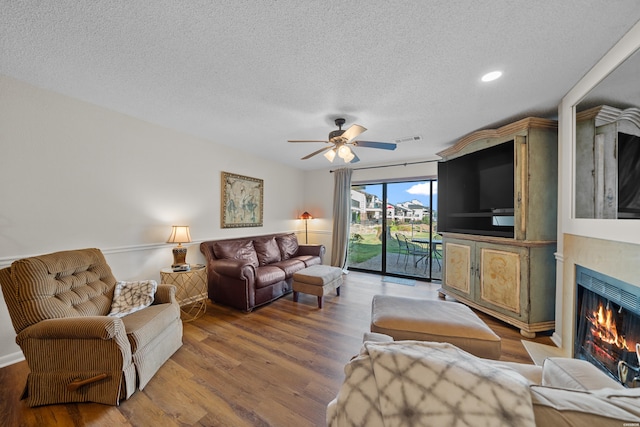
(491, 76)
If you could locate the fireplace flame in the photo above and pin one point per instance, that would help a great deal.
(604, 327)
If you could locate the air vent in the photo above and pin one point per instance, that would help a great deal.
(408, 139)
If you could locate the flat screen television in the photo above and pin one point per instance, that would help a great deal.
(476, 192)
(496, 180)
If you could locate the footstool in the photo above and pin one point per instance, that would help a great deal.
(434, 320)
(317, 280)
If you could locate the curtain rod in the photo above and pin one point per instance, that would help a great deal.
(389, 166)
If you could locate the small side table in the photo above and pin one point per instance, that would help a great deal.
(191, 290)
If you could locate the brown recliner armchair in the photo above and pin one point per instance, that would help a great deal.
(59, 305)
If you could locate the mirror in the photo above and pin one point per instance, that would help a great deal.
(607, 146)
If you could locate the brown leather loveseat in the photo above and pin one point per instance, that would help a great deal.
(250, 271)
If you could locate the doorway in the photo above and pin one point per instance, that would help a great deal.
(393, 230)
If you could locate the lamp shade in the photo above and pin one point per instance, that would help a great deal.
(330, 155)
(179, 234)
(349, 157)
(306, 215)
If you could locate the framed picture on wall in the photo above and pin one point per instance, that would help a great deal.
(241, 201)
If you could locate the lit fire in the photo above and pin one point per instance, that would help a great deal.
(604, 327)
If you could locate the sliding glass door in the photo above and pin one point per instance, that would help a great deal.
(393, 229)
(366, 240)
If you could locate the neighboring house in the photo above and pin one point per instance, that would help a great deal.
(365, 207)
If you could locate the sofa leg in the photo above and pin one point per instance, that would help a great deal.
(338, 291)
(319, 302)
(295, 296)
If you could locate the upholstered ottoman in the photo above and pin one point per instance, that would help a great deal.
(317, 280)
(434, 320)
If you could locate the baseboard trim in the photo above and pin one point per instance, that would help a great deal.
(10, 359)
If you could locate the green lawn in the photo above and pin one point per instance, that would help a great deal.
(369, 245)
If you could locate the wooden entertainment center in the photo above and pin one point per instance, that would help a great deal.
(497, 213)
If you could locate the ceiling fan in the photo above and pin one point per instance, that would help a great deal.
(342, 141)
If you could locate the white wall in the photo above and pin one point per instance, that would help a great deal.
(75, 175)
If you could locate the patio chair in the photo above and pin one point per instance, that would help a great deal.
(402, 247)
(417, 250)
(436, 254)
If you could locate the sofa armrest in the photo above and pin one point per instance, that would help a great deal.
(315, 250)
(100, 327)
(235, 268)
(570, 408)
(165, 294)
(575, 374)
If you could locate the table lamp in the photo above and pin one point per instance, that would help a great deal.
(179, 234)
(306, 216)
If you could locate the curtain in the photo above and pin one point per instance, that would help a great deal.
(341, 217)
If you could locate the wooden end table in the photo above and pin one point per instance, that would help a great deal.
(191, 290)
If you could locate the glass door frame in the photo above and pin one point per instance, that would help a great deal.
(385, 232)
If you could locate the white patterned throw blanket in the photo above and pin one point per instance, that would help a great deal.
(416, 383)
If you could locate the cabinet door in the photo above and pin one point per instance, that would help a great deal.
(457, 266)
(503, 278)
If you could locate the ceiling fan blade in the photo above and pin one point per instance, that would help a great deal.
(352, 132)
(373, 144)
(307, 140)
(355, 159)
(316, 152)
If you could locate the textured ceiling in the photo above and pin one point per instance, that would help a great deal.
(253, 74)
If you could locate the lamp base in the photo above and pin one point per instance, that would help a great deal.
(179, 255)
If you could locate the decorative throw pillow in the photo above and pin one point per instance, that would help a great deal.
(267, 250)
(236, 249)
(130, 297)
(288, 245)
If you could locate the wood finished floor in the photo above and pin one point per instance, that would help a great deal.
(277, 366)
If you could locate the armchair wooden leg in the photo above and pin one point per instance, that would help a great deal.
(79, 383)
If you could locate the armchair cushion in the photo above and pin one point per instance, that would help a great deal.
(79, 283)
(130, 297)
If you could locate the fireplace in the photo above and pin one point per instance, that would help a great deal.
(608, 325)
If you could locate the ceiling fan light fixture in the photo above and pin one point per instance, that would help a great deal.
(349, 157)
(344, 151)
(341, 142)
(330, 155)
